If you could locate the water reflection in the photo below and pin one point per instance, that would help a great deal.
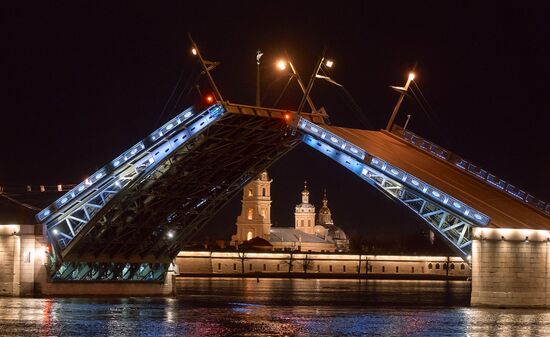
(245, 307)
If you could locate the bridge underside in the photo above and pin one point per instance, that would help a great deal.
(139, 230)
(150, 219)
(134, 218)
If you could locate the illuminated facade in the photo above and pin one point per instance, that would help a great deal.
(306, 235)
(22, 253)
(255, 218)
(191, 263)
(304, 214)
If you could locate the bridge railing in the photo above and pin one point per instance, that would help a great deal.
(392, 172)
(472, 169)
(129, 155)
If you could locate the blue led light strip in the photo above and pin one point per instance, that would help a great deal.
(66, 216)
(397, 174)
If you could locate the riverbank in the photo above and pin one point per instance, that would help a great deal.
(295, 275)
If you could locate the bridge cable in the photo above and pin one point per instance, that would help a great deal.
(33, 208)
(174, 90)
(352, 105)
(282, 92)
(431, 117)
(170, 97)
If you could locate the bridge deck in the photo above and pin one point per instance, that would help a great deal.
(504, 210)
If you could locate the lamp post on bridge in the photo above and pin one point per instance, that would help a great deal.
(206, 66)
(403, 92)
(314, 75)
(281, 65)
(322, 61)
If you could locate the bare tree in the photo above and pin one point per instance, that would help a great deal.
(359, 265)
(289, 261)
(307, 263)
(242, 256)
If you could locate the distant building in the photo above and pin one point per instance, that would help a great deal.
(326, 228)
(307, 233)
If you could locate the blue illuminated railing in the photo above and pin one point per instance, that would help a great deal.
(333, 139)
(393, 172)
(472, 169)
(416, 184)
(176, 130)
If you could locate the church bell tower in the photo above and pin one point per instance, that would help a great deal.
(255, 218)
(304, 213)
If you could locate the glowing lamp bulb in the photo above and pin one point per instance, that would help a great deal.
(329, 63)
(209, 99)
(411, 76)
(281, 65)
(194, 51)
(170, 234)
(287, 116)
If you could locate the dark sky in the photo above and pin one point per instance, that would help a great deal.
(83, 82)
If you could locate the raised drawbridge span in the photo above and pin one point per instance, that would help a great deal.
(128, 220)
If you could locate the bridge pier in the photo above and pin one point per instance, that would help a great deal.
(510, 268)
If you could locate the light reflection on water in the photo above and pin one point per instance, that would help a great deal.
(275, 307)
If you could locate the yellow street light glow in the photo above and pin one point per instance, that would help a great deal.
(281, 64)
(194, 51)
(329, 63)
(411, 76)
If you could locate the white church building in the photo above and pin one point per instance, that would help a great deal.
(309, 234)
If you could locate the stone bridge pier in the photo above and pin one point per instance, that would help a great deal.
(510, 268)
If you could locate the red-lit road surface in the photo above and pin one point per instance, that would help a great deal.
(503, 209)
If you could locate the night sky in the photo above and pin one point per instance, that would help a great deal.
(82, 82)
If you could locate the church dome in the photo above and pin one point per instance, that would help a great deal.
(324, 213)
(305, 206)
(263, 176)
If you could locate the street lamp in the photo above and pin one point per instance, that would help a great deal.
(403, 92)
(206, 66)
(281, 65)
(314, 75)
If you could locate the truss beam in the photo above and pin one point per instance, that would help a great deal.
(450, 218)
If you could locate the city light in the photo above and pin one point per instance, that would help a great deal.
(411, 76)
(194, 51)
(281, 64)
(209, 99)
(329, 63)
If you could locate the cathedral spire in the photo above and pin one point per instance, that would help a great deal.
(325, 216)
(305, 194)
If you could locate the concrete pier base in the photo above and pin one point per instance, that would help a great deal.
(134, 289)
(510, 268)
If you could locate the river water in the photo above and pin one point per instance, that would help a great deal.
(275, 307)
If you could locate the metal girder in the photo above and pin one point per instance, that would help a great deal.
(142, 213)
(450, 218)
(109, 271)
(153, 219)
(73, 211)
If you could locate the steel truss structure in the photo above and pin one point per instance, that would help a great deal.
(130, 219)
(450, 218)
